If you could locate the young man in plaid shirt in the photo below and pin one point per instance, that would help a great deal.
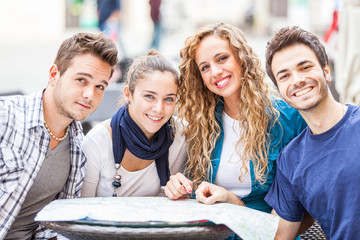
(40, 134)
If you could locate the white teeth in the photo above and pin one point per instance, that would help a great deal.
(153, 118)
(303, 92)
(222, 82)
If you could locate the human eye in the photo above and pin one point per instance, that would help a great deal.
(204, 68)
(149, 96)
(222, 58)
(100, 87)
(81, 80)
(283, 77)
(307, 67)
(170, 99)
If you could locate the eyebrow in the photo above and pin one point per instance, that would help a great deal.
(155, 93)
(297, 65)
(281, 71)
(91, 76)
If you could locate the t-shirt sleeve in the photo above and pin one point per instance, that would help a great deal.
(95, 147)
(177, 151)
(282, 198)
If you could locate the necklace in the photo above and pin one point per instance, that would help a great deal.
(117, 179)
(53, 136)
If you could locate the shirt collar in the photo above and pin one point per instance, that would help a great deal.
(76, 132)
(36, 116)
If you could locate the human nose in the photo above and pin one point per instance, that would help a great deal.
(88, 93)
(299, 78)
(158, 106)
(216, 70)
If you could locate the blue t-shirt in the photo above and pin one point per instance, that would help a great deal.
(321, 173)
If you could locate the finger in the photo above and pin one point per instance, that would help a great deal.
(185, 182)
(174, 189)
(176, 184)
(172, 193)
(202, 193)
(200, 197)
(188, 186)
(185, 196)
(169, 194)
(216, 195)
(211, 200)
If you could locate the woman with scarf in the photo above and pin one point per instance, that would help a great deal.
(135, 152)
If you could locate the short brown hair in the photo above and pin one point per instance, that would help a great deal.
(86, 43)
(289, 36)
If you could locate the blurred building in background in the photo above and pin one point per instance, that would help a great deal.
(31, 31)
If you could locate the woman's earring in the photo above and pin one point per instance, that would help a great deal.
(127, 103)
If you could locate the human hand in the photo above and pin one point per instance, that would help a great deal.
(178, 187)
(209, 193)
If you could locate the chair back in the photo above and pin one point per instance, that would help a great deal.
(314, 233)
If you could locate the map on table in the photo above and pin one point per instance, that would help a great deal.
(245, 222)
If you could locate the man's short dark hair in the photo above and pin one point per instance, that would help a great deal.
(289, 36)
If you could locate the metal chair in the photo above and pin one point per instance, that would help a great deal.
(98, 232)
(11, 93)
(314, 233)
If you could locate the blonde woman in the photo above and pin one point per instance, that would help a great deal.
(236, 128)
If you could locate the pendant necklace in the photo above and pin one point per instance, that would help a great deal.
(117, 179)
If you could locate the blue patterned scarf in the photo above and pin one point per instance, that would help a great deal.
(127, 135)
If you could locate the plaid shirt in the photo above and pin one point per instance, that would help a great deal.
(24, 142)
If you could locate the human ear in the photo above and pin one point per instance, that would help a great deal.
(53, 74)
(127, 94)
(327, 73)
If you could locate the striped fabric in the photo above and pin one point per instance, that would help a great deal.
(24, 142)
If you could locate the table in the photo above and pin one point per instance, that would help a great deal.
(79, 231)
(154, 218)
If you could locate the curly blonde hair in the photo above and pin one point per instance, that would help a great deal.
(196, 104)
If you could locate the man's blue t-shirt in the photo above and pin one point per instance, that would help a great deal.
(321, 173)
